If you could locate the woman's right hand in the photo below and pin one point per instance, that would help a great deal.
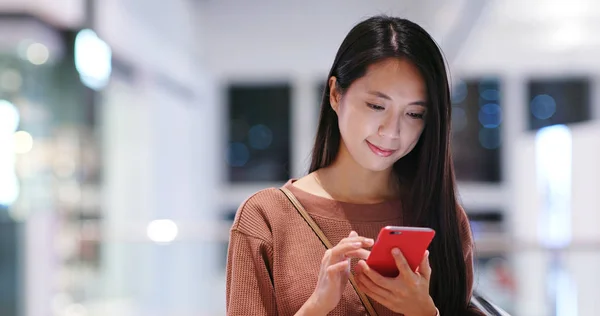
(335, 271)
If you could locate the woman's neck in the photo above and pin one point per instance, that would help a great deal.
(347, 181)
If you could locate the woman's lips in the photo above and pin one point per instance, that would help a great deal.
(379, 151)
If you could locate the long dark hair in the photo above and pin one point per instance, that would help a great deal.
(428, 169)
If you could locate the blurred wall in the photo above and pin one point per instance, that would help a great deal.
(157, 166)
(64, 13)
(544, 41)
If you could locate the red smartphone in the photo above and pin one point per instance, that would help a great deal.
(412, 241)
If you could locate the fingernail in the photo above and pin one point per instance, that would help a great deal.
(395, 251)
(356, 244)
(427, 253)
(369, 240)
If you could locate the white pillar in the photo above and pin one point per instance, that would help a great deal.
(583, 260)
(304, 116)
(523, 208)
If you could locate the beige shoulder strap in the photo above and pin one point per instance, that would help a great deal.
(328, 245)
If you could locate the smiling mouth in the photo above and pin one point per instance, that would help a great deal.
(380, 151)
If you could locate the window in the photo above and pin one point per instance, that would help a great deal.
(558, 101)
(259, 133)
(476, 122)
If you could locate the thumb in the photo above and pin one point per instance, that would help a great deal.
(353, 234)
(424, 267)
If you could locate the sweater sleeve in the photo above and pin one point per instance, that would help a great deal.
(250, 289)
(249, 285)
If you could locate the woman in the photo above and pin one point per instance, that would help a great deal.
(381, 157)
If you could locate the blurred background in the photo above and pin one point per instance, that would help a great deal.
(131, 130)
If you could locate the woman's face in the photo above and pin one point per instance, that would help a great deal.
(381, 115)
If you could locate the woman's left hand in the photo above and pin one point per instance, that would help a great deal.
(408, 293)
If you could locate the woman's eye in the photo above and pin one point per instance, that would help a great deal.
(375, 107)
(416, 115)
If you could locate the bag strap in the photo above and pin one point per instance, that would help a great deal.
(327, 245)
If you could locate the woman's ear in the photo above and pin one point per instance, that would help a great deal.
(334, 94)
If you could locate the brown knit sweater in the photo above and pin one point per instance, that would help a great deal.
(274, 256)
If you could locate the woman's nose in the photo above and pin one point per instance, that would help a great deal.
(390, 128)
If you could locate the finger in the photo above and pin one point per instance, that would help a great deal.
(368, 242)
(350, 244)
(340, 250)
(353, 234)
(424, 267)
(358, 253)
(371, 294)
(374, 275)
(402, 264)
(358, 270)
(339, 267)
(372, 287)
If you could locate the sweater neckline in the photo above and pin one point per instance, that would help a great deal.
(338, 210)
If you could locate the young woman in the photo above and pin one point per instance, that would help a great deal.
(381, 157)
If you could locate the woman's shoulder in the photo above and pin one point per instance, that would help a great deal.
(263, 201)
(259, 212)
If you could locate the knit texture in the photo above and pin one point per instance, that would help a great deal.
(274, 256)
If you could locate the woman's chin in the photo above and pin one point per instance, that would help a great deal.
(377, 166)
